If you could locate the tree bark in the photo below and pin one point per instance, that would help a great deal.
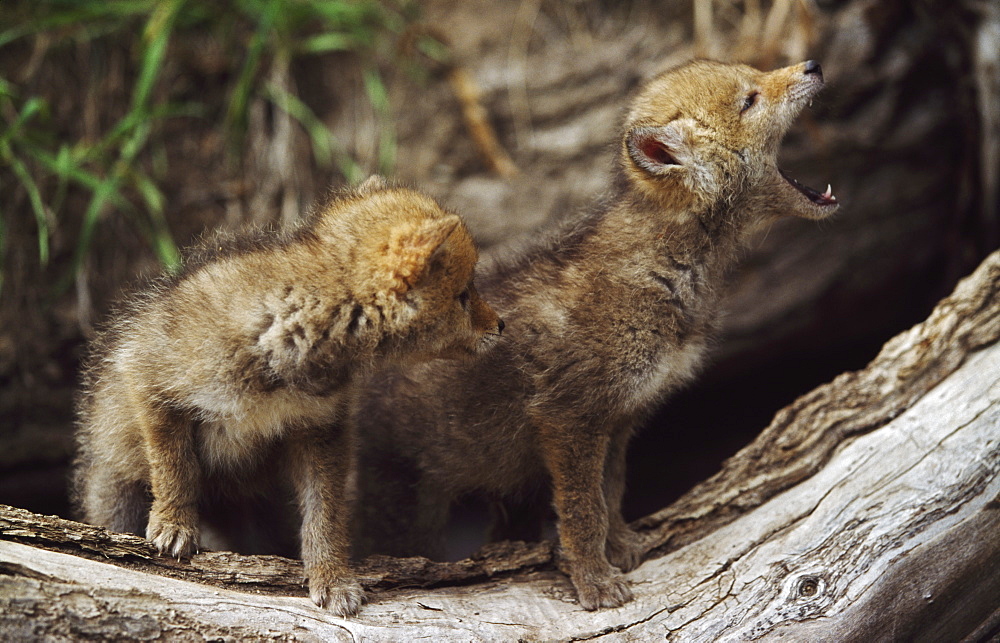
(868, 510)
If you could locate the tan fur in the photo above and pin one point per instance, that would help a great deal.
(606, 318)
(253, 349)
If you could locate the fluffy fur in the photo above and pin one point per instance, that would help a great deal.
(606, 317)
(245, 360)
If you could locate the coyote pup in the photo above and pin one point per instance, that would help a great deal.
(606, 318)
(248, 356)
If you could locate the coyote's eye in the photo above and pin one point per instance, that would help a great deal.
(749, 101)
(463, 298)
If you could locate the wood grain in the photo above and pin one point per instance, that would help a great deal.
(867, 510)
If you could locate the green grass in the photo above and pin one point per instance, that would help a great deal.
(119, 170)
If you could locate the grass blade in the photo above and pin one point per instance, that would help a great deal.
(327, 42)
(236, 113)
(162, 241)
(156, 37)
(326, 147)
(37, 206)
(379, 97)
(105, 191)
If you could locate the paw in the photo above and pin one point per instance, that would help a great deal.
(172, 538)
(605, 590)
(624, 549)
(343, 596)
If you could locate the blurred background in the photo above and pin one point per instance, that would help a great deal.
(129, 128)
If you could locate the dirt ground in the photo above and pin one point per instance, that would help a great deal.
(895, 133)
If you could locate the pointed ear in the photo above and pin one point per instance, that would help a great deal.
(373, 183)
(412, 249)
(659, 149)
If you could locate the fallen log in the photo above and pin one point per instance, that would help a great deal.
(869, 509)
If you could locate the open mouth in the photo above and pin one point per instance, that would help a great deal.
(819, 198)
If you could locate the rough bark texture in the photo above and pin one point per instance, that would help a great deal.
(868, 510)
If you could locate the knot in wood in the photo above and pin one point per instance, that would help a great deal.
(809, 587)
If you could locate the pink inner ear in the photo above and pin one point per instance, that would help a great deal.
(655, 151)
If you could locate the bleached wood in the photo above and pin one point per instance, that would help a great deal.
(868, 510)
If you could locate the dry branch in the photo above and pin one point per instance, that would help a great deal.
(867, 510)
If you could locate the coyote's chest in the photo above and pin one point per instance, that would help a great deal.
(670, 368)
(670, 318)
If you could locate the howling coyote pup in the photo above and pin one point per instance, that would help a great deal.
(247, 356)
(605, 318)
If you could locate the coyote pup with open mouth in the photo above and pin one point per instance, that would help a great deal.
(606, 318)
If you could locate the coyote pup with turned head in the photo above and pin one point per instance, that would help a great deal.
(248, 355)
(606, 318)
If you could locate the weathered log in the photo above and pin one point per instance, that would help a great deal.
(868, 510)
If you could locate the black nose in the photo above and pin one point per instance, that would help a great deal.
(813, 67)
(500, 326)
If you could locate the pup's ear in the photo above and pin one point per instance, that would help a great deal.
(660, 149)
(412, 249)
(373, 183)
